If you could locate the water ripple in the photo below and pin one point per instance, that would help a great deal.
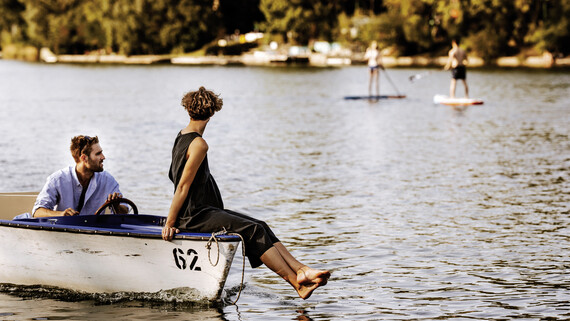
(421, 212)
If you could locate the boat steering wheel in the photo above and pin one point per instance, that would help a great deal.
(114, 205)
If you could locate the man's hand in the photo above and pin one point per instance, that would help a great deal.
(114, 196)
(70, 212)
(120, 209)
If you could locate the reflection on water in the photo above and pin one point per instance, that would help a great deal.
(422, 212)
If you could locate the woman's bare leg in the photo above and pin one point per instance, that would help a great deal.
(305, 274)
(370, 81)
(288, 257)
(273, 260)
(377, 82)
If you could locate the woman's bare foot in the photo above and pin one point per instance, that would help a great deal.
(307, 275)
(305, 290)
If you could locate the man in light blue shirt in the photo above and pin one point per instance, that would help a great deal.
(79, 189)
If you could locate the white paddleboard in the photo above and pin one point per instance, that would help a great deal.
(445, 100)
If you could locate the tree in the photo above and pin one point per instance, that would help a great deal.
(11, 20)
(550, 29)
(241, 15)
(130, 27)
(162, 27)
(300, 21)
(489, 28)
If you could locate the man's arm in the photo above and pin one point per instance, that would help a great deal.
(44, 212)
(465, 58)
(48, 199)
(449, 60)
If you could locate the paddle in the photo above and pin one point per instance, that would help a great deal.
(390, 80)
(420, 76)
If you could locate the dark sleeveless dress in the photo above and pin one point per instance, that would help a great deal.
(203, 210)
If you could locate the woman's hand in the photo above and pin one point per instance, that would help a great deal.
(168, 232)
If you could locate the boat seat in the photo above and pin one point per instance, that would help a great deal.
(12, 204)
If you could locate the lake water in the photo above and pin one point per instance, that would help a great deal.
(421, 212)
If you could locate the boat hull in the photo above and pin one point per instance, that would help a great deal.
(121, 258)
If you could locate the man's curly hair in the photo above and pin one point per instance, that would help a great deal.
(82, 145)
(201, 104)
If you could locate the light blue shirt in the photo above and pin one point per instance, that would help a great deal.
(63, 190)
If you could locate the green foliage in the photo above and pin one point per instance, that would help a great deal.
(489, 28)
(387, 29)
(129, 27)
(299, 21)
(552, 32)
(11, 21)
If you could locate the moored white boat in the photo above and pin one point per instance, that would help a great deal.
(113, 253)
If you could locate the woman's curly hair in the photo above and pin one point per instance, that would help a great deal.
(201, 104)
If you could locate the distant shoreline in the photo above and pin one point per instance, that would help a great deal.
(264, 58)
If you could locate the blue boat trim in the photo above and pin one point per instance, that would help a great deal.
(143, 226)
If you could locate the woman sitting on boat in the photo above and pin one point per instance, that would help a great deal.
(197, 205)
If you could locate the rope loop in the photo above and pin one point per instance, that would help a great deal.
(242, 266)
(214, 238)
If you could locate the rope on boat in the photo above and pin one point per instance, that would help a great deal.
(214, 238)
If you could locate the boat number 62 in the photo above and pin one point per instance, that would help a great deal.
(180, 258)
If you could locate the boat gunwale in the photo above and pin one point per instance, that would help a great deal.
(50, 224)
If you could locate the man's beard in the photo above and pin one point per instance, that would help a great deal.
(95, 166)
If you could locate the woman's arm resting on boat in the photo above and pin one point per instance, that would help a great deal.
(196, 154)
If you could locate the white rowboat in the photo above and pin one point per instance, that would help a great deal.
(113, 253)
